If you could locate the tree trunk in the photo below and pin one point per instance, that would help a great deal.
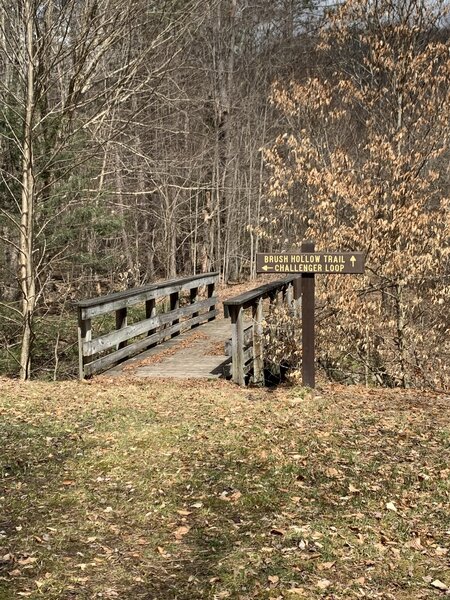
(26, 265)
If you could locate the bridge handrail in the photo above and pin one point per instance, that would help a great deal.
(94, 307)
(247, 343)
(247, 299)
(155, 327)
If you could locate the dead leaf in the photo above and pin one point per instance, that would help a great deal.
(276, 531)
(273, 579)
(332, 472)
(415, 544)
(326, 565)
(323, 584)
(181, 532)
(391, 506)
(27, 561)
(439, 585)
(353, 490)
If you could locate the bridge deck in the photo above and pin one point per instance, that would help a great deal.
(195, 354)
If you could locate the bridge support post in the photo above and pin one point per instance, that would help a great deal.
(84, 335)
(237, 344)
(258, 343)
(211, 288)
(275, 301)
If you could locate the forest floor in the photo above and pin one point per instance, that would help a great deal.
(165, 490)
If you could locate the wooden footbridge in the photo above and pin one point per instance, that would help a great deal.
(176, 329)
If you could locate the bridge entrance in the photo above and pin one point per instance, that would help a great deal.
(175, 329)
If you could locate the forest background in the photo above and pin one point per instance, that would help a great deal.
(154, 139)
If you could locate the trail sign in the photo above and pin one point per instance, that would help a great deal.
(307, 264)
(326, 263)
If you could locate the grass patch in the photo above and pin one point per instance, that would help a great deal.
(163, 490)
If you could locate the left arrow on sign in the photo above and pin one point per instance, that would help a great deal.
(266, 268)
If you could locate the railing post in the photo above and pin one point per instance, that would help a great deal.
(150, 311)
(121, 322)
(275, 301)
(297, 295)
(272, 298)
(258, 343)
(84, 335)
(174, 304)
(237, 344)
(194, 299)
(210, 292)
(289, 295)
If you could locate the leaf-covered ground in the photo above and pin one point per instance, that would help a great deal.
(183, 491)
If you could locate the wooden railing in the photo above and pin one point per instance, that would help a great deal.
(182, 314)
(247, 340)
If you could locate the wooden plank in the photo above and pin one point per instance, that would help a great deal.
(248, 355)
(110, 359)
(248, 337)
(111, 302)
(107, 341)
(228, 369)
(198, 279)
(258, 344)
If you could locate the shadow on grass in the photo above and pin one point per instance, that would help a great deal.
(34, 498)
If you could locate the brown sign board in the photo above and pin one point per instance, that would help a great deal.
(325, 263)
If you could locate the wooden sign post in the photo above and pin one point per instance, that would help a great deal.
(307, 263)
(308, 324)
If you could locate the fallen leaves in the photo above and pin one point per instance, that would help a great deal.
(439, 585)
(236, 490)
(323, 584)
(228, 496)
(181, 531)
